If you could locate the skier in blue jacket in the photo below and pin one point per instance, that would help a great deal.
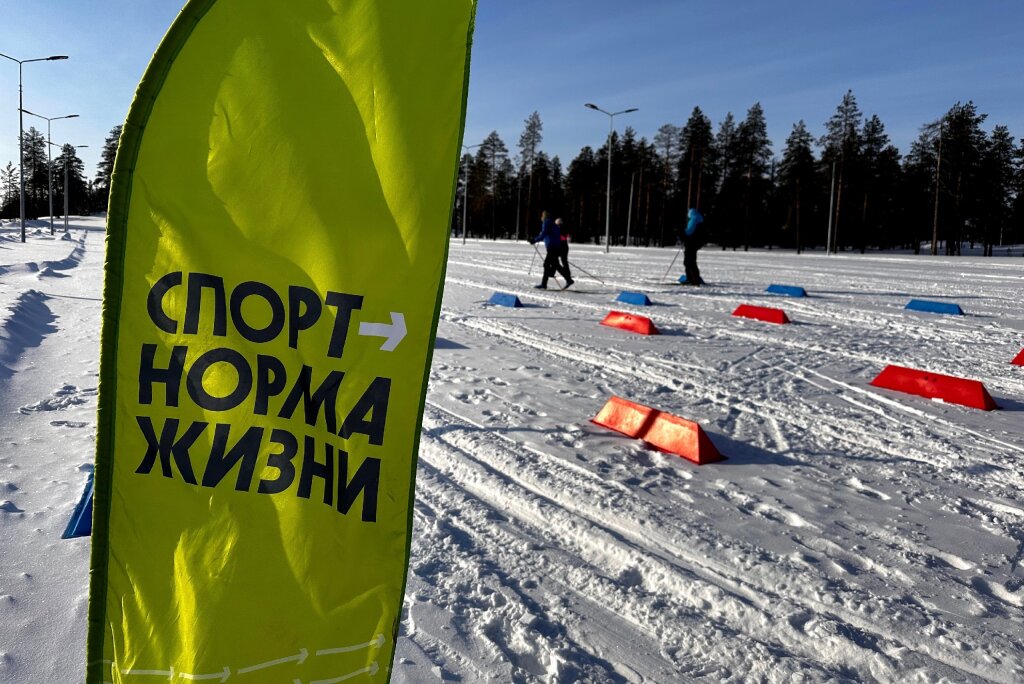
(693, 240)
(552, 239)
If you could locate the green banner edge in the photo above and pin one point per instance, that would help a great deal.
(414, 461)
(113, 287)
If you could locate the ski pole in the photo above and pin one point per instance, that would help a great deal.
(672, 264)
(585, 273)
(533, 260)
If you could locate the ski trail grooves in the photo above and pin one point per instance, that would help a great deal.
(654, 375)
(466, 559)
(622, 528)
(684, 623)
(948, 425)
(728, 391)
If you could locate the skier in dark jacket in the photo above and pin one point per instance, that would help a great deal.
(552, 239)
(563, 254)
(692, 241)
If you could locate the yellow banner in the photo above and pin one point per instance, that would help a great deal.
(278, 232)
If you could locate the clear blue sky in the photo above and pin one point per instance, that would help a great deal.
(907, 61)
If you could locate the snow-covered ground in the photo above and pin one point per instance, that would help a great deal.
(853, 533)
(49, 359)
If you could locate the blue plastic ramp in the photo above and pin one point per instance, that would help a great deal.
(787, 290)
(80, 524)
(504, 299)
(935, 307)
(635, 298)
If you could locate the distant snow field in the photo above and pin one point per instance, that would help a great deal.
(853, 534)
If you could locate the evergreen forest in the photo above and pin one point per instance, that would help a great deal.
(845, 185)
(64, 169)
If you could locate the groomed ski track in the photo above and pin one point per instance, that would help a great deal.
(853, 534)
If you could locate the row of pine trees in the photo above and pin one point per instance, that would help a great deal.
(84, 196)
(849, 187)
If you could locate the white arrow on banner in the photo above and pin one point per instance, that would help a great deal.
(222, 675)
(395, 331)
(377, 641)
(150, 673)
(300, 658)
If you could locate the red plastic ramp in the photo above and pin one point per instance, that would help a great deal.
(625, 321)
(761, 313)
(681, 437)
(1019, 358)
(624, 416)
(663, 431)
(948, 388)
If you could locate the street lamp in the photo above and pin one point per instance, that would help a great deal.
(465, 191)
(49, 162)
(67, 179)
(608, 198)
(21, 128)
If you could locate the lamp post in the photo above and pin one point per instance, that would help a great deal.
(68, 150)
(465, 190)
(608, 197)
(21, 128)
(629, 209)
(49, 162)
(831, 203)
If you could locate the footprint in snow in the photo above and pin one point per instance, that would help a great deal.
(62, 398)
(68, 423)
(799, 620)
(999, 591)
(631, 577)
(856, 484)
(9, 507)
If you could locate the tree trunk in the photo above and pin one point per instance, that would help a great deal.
(798, 250)
(689, 181)
(864, 225)
(529, 200)
(700, 177)
(956, 213)
(746, 214)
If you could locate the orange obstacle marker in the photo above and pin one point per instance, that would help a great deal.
(1019, 359)
(663, 431)
(761, 313)
(950, 389)
(624, 416)
(637, 324)
(681, 437)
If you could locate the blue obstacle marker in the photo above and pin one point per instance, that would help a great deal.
(80, 524)
(503, 299)
(635, 298)
(787, 290)
(934, 307)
